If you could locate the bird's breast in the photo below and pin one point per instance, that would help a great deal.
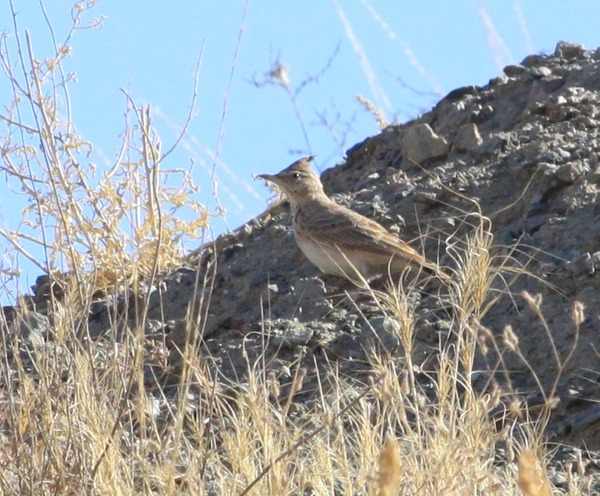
(330, 259)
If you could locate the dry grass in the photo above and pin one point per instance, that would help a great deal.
(123, 224)
(82, 416)
(88, 422)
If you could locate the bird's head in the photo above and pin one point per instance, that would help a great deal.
(298, 181)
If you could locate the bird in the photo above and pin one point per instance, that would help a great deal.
(338, 240)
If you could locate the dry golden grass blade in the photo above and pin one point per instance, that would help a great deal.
(532, 477)
(390, 469)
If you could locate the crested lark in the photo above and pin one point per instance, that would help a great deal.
(338, 240)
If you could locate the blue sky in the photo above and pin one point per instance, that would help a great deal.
(402, 56)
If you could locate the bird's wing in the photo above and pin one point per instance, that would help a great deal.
(355, 232)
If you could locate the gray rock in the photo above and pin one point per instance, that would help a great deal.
(467, 138)
(381, 333)
(533, 60)
(482, 113)
(583, 264)
(288, 333)
(570, 172)
(420, 144)
(514, 70)
(569, 50)
(541, 72)
(31, 328)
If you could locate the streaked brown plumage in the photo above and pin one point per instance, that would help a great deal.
(338, 240)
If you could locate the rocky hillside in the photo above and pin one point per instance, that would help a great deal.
(522, 151)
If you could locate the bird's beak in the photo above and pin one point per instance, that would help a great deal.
(269, 177)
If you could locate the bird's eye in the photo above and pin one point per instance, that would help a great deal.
(296, 176)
